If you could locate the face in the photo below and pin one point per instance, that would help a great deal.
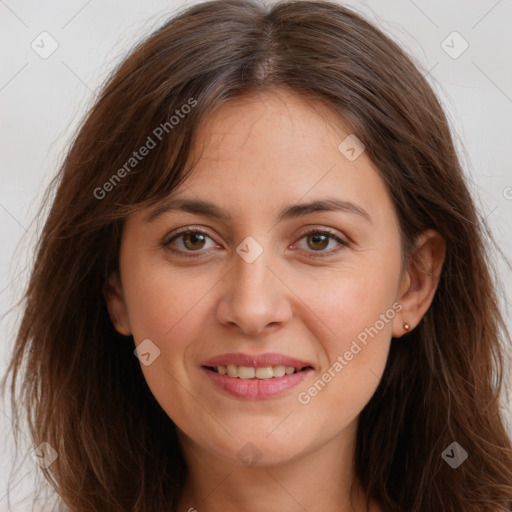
(267, 282)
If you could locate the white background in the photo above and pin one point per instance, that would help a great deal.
(42, 100)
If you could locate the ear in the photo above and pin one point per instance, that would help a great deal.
(419, 281)
(116, 305)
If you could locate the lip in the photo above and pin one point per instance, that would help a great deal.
(255, 360)
(255, 389)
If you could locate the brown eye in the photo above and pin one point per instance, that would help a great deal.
(189, 241)
(193, 240)
(318, 241)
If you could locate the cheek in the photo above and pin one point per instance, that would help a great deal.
(348, 302)
(356, 310)
(162, 301)
(168, 307)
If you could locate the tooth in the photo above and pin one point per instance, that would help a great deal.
(279, 371)
(246, 372)
(264, 372)
(232, 370)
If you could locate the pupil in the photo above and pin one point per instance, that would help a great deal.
(194, 237)
(316, 237)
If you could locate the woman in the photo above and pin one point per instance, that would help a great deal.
(263, 283)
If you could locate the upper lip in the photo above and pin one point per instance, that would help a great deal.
(267, 359)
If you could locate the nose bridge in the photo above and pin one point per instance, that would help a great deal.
(251, 279)
(253, 298)
(253, 273)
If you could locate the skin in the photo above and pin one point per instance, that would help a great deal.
(258, 155)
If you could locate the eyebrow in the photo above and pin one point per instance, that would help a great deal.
(292, 211)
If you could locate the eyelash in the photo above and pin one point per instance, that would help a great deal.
(317, 254)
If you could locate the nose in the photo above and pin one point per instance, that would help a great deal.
(255, 297)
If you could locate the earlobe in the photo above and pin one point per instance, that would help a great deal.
(116, 305)
(420, 281)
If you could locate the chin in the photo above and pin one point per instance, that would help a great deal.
(259, 451)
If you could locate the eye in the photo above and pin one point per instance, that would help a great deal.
(319, 239)
(192, 240)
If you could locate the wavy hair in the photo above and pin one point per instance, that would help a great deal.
(76, 379)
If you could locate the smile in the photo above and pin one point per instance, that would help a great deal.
(251, 372)
(255, 383)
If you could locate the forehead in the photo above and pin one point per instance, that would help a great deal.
(281, 120)
(279, 147)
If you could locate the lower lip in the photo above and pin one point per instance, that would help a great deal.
(256, 389)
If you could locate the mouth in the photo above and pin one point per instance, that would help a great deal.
(256, 372)
(256, 382)
(256, 376)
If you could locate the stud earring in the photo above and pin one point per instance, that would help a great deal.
(407, 326)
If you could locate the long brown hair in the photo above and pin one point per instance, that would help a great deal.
(81, 387)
